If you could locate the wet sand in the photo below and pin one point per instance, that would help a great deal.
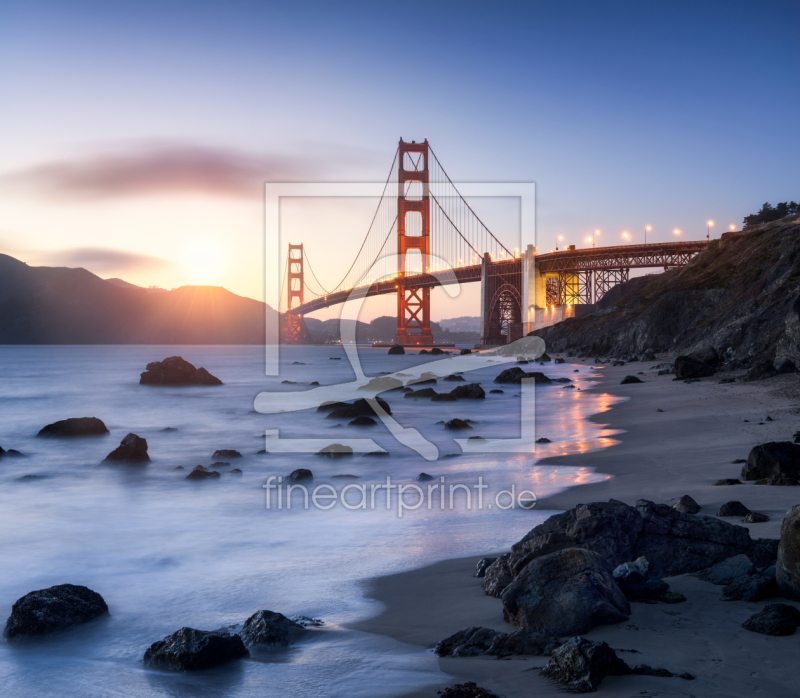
(660, 456)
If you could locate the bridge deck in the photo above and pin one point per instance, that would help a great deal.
(657, 254)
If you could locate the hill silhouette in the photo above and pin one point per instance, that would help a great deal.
(60, 305)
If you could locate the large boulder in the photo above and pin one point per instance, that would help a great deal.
(673, 542)
(49, 610)
(514, 376)
(727, 571)
(176, 371)
(472, 391)
(132, 449)
(565, 593)
(634, 580)
(774, 619)
(776, 458)
(733, 508)
(190, 650)
(469, 642)
(269, 629)
(687, 367)
(396, 349)
(787, 572)
(74, 426)
(579, 665)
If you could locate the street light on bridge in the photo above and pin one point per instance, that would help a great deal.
(627, 237)
(647, 229)
(709, 225)
(678, 232)
(560, 237)
(733, 228)
(594, 234)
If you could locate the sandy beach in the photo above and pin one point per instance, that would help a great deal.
(659, 456)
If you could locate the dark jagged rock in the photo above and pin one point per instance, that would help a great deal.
(469, 642)
(176, 371)
(483, 563)
(522, 642)
(763, 552)
(442, 397)
(236, 471)
(49, 610)
(191, 650)
(396, 349)
(226, 453)
(424, 477)
(455, 378)
(630, 379)
(201, 473)
(11, 453)
(497, 576)
(672, 541)
(687, 504)
(776, 458)
(457, 424)
(497, 391)
(514, 376)
(74, 426)
(755, 517)
(132, 449)
(774, 619)
(778, 481)
(421, 393)
(728, 481)
(564, 593)
(464, 352)
(580, 665)
(762, 370)
(300, 475)
(559, 360)
(220, 464)
(751, 587)
(472, 391)
(727, 571)
(335, 451)
(269, 629)
(635, 582)
(733, 508)
(543, 440)
(362, 421)
(788, 565)
(466, 690)
(382, 383)
(424, 379)
(687, 367)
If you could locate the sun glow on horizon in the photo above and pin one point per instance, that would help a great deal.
(205, 261)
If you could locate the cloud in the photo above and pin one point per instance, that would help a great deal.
(162, 169)
(104, 260)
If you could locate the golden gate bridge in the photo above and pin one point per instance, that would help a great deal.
(423, 225)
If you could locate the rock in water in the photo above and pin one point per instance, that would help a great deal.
(483, 564)
(473, 391)
(396, 349)
(515, 375)
(74, 426)
(733, 508)
(687, 367)
(335, 451)
(201, 473)
(580, 665)
(176, 371)
(776, 458)
(132, 449)
(774, 619)
(226, 453)
(687, 504)
(269, 629)
(362, 421)
(424, 477)
(300, 475)
(565, 593)
(49, 610)
(787, 572)
(456, 424)
(189, 650)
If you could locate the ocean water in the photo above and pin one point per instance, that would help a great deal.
(165, 552)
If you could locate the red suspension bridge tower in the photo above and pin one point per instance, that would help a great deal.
(413, 202)
(295, 329)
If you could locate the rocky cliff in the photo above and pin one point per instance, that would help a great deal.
(743, 292)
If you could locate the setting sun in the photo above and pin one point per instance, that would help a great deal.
(205, 261)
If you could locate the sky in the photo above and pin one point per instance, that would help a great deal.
(135, 138)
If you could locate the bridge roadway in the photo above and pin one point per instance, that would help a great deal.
(657, 254)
